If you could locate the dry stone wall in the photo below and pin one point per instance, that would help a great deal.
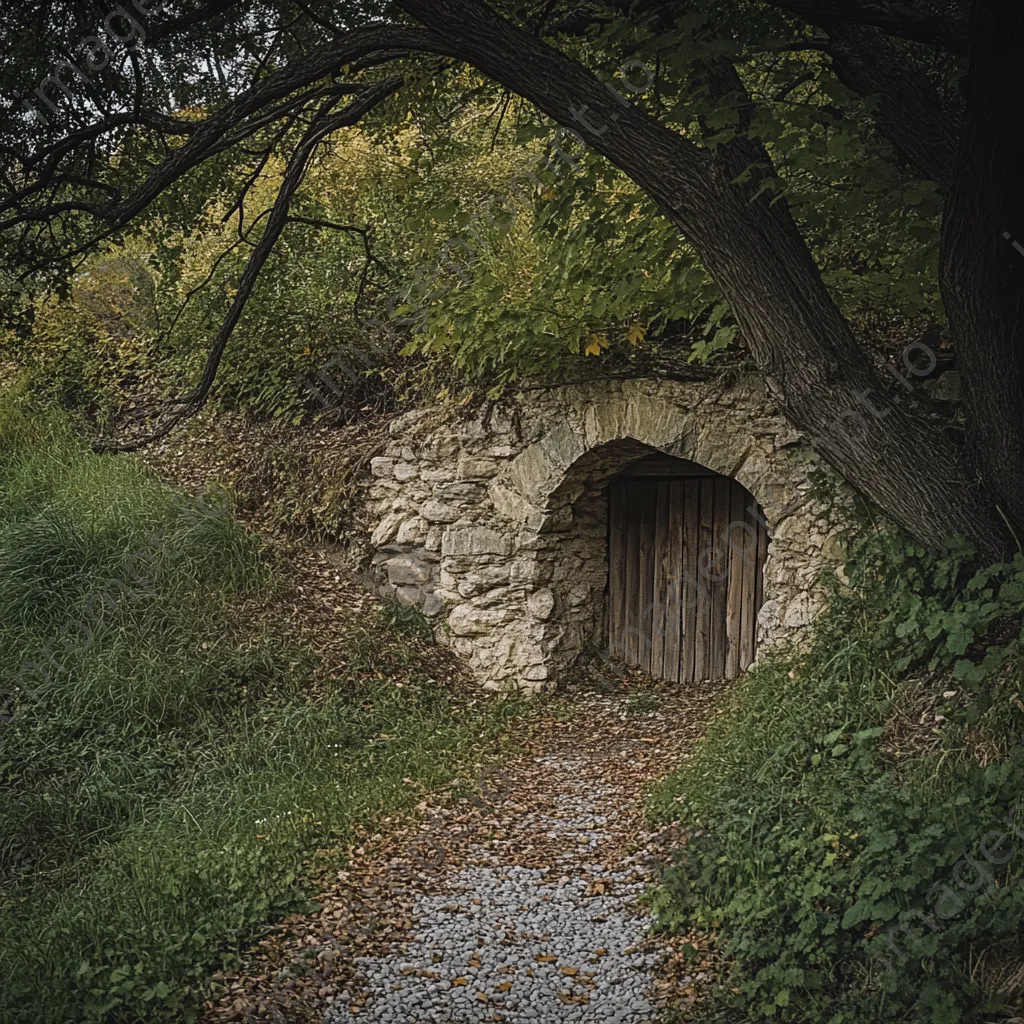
(496, 524)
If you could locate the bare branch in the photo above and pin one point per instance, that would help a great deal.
(317, 222)
(228, 126)
(210, 12)
(930, 29)
(323, 125)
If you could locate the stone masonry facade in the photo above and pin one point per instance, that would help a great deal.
(496, 524)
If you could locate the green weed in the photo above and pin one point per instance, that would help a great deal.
(838, 834)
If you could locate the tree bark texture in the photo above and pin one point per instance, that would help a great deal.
(982, 272)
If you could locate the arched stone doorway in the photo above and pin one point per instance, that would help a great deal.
(686, 555)
(498, 524)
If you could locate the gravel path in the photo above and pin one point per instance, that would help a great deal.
(523, 909)
(512, 943)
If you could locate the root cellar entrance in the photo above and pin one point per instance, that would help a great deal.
(618, 518)
(686, 555)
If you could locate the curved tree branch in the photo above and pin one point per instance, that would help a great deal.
(909, 112)
(753, 249)
(231, 124)
(894, 20)
(323, 124)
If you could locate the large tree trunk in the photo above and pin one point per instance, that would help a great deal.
(756, 254)
(982, 270)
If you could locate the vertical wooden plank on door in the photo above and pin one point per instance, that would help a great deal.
(740, 546)
(631, 594)
(691, 584)
(616, 567)
(675, 586)
(717, 569)
(662, 572)
(750, 573)
(645, 613)
(706, 587)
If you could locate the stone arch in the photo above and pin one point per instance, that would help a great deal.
(545, 478)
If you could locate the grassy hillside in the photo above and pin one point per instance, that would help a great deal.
(855, 819)
(173, 755)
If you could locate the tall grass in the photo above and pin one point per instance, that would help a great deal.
(167, 771)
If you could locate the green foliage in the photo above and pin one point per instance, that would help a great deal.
(478, 262)
(844, 810)
(167, 772)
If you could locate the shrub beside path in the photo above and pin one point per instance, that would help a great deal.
(519, 904)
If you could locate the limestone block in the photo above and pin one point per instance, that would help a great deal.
(460, 492)
(533, 475)
(604, 421)
(468, 620)
(433, 603)
(407, 570)
(433, 539)
(792, 528)
(413, 531)
(423, 555)
(528, 570)
(499, 597)
(382, 467)
(510, 503)
(563, 445)
(799, 612)
(474, 540)
(444, 446)
(557, 520)
(386, 529)
(404, 471)
(485, 578)
(469, 585)
(408, 596)
(462, 647)
(437, 476)
(541, 603)
(438, 512)
(475, 468)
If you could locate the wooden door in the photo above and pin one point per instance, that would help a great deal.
(685, 574)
